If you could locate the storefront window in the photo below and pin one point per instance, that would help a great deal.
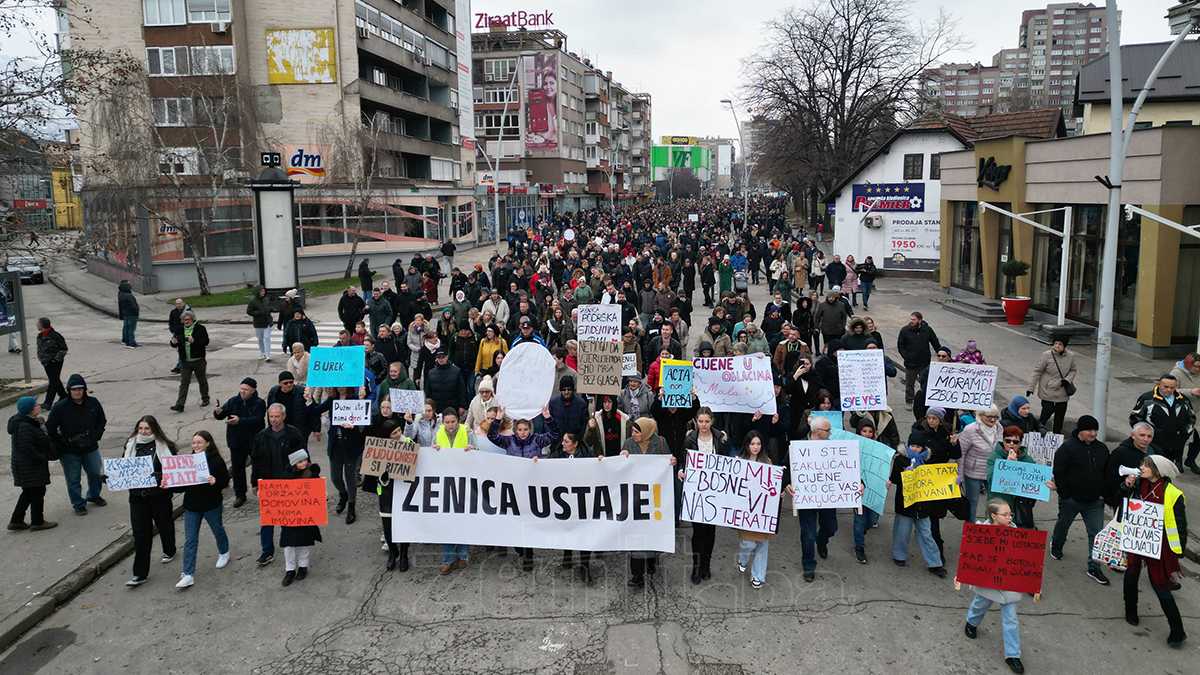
(1046, 267)
(230, 233)
(1007, 285)
(1087, 251)
(966, 263)
(1187, 283)
(1129, 239)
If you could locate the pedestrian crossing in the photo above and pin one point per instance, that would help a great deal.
(327, 335)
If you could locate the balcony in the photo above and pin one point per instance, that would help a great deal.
(637, 152)
(637, 116)
(405, 101)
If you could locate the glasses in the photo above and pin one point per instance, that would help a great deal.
(990, 417)
(1012, 441)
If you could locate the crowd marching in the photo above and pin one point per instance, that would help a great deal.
(648, 261)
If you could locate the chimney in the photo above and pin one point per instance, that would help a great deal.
(608, 74)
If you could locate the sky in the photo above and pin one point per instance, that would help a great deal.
(687, 53)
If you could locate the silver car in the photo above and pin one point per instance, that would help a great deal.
(28, 266)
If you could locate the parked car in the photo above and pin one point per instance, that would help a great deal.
(28, 266)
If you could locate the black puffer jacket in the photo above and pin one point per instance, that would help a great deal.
(1079, 469)
(30, 452)
(444, 384)
(76, 428)
(269, 456)
(127, 305)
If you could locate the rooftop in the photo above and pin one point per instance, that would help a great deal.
(1179, 79)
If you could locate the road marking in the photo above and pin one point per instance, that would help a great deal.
(326, 333)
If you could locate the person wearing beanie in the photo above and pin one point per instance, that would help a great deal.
(942, 447)
(464, 353)
(1079, 478)
(1053, 379)
(716, 338)
(486, 398)
(76, 425)
(1153, 484)
(244, 415)
(297, 541)
(293, 399)
(917, 516)
(914, 343)
(569, 410)
(1019, 413)
(30, 462)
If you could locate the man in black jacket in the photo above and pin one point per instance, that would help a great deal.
(1171, 415)
(292, 398)
(444, 384)
(175, 324)
(1079, 480)
(127, 311)
(448, 250)
(190, 342)
(365, 275)
(75, 426)
(243, 415)
(866, 280)
(269, 460)
(914, 343)
(51, 353)
(351, 308)
(835, 271)
(1130, 453)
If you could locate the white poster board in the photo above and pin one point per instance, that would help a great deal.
(1142, 530)
(960, 385)
(735, 383)
(526, 381)
(407, 401)
(825, 474)
(130, 473)
(353, 412)
(731, 492)
(861, 379)
(1042, 447)
(599, 322)
(629, 364)
(181, 470)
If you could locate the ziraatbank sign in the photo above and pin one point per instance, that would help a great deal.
(521, 19)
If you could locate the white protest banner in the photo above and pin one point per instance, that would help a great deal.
(129, 473)
(629, 364)
(395, 457)
(960, 385)
(731, 492)
(353, 412)
(599, 322)
(825, 474)
(735, 384)
(526, 381)
(460, 497)
(180, 470)
(874, 465)
(1142, 528)
(407, 401)
(1042, 447)
(861, 379)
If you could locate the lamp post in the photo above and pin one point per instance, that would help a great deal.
(275, 228)
(745, 169)
(500, 137)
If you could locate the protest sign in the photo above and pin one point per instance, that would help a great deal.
(735, 384)
(1042, 447)
(834, 417)
(352, 411)
(960, 385)
(875, 466)
(1022, 479)
(459, 497)
(629, 364)
(693, 217)
(599, 367)
(731, 492)
(599, 322)
(292, 503)
(861, 379)
(1142, 528)
(929, 483)
(825, 475)
(1004, 558)
(130, 473)
(395, 457)
(336, 366)
(180, 470)
(676, 382)
(407, 401)
(526, 381)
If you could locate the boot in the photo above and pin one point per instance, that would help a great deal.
(705, 571)
(567, 560)
(585, 574)
(696, 576)
(403, 558)
(393, 555)
(351, 515)
(1191, 464)
(343, 499)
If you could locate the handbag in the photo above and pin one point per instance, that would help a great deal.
(960, 508)
(1106, 547)
(1023, 512)
(1066, 384)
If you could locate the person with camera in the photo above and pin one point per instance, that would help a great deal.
(75, 426)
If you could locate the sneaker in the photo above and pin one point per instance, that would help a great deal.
(222, 560)
(136, 581)
(1056, 553)
(203, 403)
(899, 563)
(18, 526)
(809, 576)
(98, 501)
(1015, 665)
(175, 370)
(167, 558)
(186, 581)
(81, 510)
(301, 573)
(741, 567)
(970, 631)
(1098, 576)
(238, 501)
(860, 554)
(44, 525)
(755, 583)
(265, 559)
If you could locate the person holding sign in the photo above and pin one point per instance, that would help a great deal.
(756, 544)
(150, 507)
(345, 446)
(297, 541)
(999, 513)
(1011, 448)
(203, 503)
(1153, 484)
(704, 439)
(916, 516)
(644, 441)
(384, 488)
(451, 434)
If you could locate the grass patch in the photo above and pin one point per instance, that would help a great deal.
(241, 296)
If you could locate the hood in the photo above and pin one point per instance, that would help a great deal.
(863, 424)
(258, 288)
(857, 322)
(124, 287)
(76, 380)
(705, 344)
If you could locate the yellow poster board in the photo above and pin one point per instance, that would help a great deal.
(930, 482)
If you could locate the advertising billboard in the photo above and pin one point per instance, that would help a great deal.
(301, 56)
(678, 140)
(913, 235)
(540, 82)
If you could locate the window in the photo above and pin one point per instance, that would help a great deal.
(164, 12)
(1094, 50)
(499, 95)
(212, 60)
(499, 69)
(441, 169)
(179, 161)
(914, 166)
(205, 11)
(1095, 30)
(173, 112)
(367, 17)
(987, 90)
(163, 61)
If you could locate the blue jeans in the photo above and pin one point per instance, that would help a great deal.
(452, 551)
(759, 549)
(970, 490)
(266, 536)
(1008, 618)
(127, 330)
(863, 522)
(191, 535)
(902, 529)
(817, 526)
(1093, 521)
(867, 287)
(90, 463)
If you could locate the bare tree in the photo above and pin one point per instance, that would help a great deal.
(357, 163)
(836, 79)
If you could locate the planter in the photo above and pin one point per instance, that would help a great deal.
(1015, 308)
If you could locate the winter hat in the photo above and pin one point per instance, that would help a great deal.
(465, 324)
(291, 293)
(944, 349)
(286, 376)
(566, 382)
(297, 457)
(486, 383)
(971, 344)
(250, 381)
(863, 423)
(918, 437)
(26, 404)
(939, 413)
(1087, 423)
(835, 289)
(1165, 467)
(833, 346)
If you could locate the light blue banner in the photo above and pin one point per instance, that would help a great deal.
(1022, 479)
(875, 464)
(834, 417)
(336, 366)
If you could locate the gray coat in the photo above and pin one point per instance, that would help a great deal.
(1046, 381)
(644, 396)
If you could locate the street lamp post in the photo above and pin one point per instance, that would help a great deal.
(745, 169)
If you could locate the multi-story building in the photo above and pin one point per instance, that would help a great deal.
(721, 151)
(366, 101)
(1053, 43)
(556, 132)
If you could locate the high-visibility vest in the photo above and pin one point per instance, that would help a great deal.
(1172, 495)
(460, 437)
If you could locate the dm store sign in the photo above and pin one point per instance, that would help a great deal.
(889, 197)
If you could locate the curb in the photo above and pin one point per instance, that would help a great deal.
(60, 592)
(109, 311)
(9, 399)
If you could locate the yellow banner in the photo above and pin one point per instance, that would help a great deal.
(679, 140)
(929, 483)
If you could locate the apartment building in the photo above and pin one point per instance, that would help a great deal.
(556, 133)
(722, 154)
(366, 102)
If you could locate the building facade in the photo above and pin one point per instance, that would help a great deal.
(1174, 100)
(364, 100)
(722, 154)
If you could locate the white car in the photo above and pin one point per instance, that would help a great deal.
(28, 266)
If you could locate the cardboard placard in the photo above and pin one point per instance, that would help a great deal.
(1142, 528)
(396, 457)
(180, 470)
(1041, 447)
(929, 483)
(731, 492)
(825, 475)
(336, 366)
(351, 411)
(1004, 558)
(599, 367)
(861, 379)
(1022, 479)
(960, 385)
(407, 401)
(526, 381)
(292, 503)
(629, 364)
(133, 473)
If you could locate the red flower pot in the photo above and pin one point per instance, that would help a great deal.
(1015, 309)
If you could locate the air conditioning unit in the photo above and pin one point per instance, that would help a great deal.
(428, 60)
(219, 27)
(488, 77)
(528, 172)
(873, 221)
(363, 33)
(457, 182)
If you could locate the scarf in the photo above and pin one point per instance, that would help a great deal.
(160, 449)
(989, 434)
(648, 427)
(1165, 570)
(917, 458)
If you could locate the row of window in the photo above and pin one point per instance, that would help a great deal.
(914, 166)
(573, 77)
(571, 102)
(392, 30)
(170, 61)
(176, 12)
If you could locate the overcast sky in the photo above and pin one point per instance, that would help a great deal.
(687, 53)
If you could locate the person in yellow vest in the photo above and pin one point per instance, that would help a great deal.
(451, 434)
(1153, 484)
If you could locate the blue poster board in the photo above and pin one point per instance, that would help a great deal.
(1022, 479)
(875, 464)
(677, 385)
(834, 417)
(336, 366)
